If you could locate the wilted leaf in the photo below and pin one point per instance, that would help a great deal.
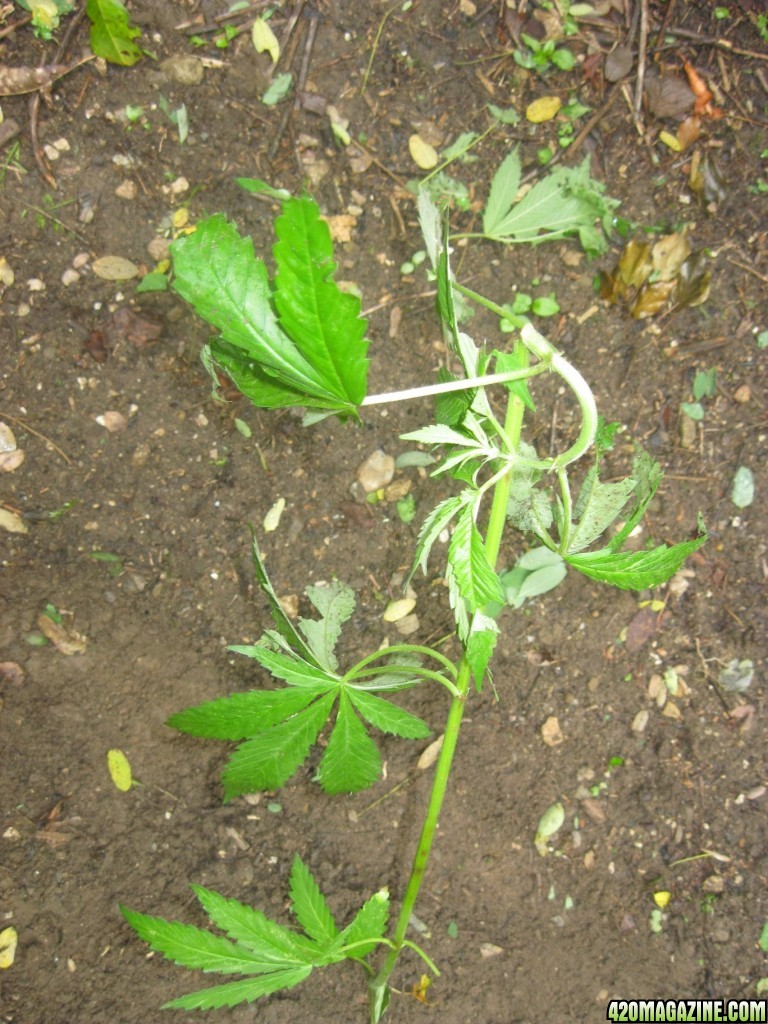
(543, 109)
(618, 64)
(272, 518)
(119, 770)
(8, 941)
(265, 39)
(669, 254)
(693, 281)
(706, 180)
(65, 640)
(668, 96)
(114, 268)
(278, 89)
(422, 153)
(12, 522)
(652, 299)
(550, 823)
(743, 489)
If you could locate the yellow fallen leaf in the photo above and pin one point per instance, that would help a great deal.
(398, 609)
(671, 141)
(180, 217)
(265, 39)
(8, 941)
(272, 518)
(661, 899)
(422, 154)
(114, 268)
(543, 109)
(119, 770)
(12, 522)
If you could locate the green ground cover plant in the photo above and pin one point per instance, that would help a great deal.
(297, 340)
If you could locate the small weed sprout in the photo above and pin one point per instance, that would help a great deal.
(298, 340)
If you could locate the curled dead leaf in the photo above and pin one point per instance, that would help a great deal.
(65, 640)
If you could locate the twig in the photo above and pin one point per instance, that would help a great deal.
(34, 100)
(55, 220)
(642, 52)
(723, 44)
(375, 46)
(307, 50)
(17, 24)
(48, 441)
(751, 270)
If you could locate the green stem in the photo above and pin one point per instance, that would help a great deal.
(379, 985)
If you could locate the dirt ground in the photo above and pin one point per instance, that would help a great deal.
(659, 799)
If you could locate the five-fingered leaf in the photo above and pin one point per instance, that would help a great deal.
(300, 342)
(274, 956)
(565, 202)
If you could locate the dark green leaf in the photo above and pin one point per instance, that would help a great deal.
(216, 271)
(634, 570)
(508, 362)
(451, 408)
(269, 759)
(241, 715)
(112, 34)
(324, 322)
(351, 760)
(245, 991)
(309, 905)
(388, 717)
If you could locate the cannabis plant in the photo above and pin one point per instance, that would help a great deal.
(298, 340)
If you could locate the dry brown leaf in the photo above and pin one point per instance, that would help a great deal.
(125, 325)
(16, 81)
(66, 641)
(668, 96)
(618, 63)
(640, 629)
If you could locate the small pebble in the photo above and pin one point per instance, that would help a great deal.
(80, 260)
(376, 472)
(126, 189)
(35, 284)
(69, 277)
(159, 249)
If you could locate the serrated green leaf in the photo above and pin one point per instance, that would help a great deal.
(309, 905)
(336, 604)
(240, 715)
(323, 321)
(504, 188)
(483, 634)
(636, 570)
(236, 992)
(112, 34)
(217, 272)
(477, 582)
(440, 433)
(597, 506)
(429, 222)
(250, 379)
(293, 670)
(368, 925)
(388, 717)
(271, 942)
(351, 761)
(195, 947)
(437, 520)
(508, 362)
(269, 759)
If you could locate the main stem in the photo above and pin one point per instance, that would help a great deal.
(378, 986)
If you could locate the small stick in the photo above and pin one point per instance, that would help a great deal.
(642, 52)
(300, 85)
(48, 441)
(722, 44)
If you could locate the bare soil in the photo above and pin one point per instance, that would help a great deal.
(678, 806)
